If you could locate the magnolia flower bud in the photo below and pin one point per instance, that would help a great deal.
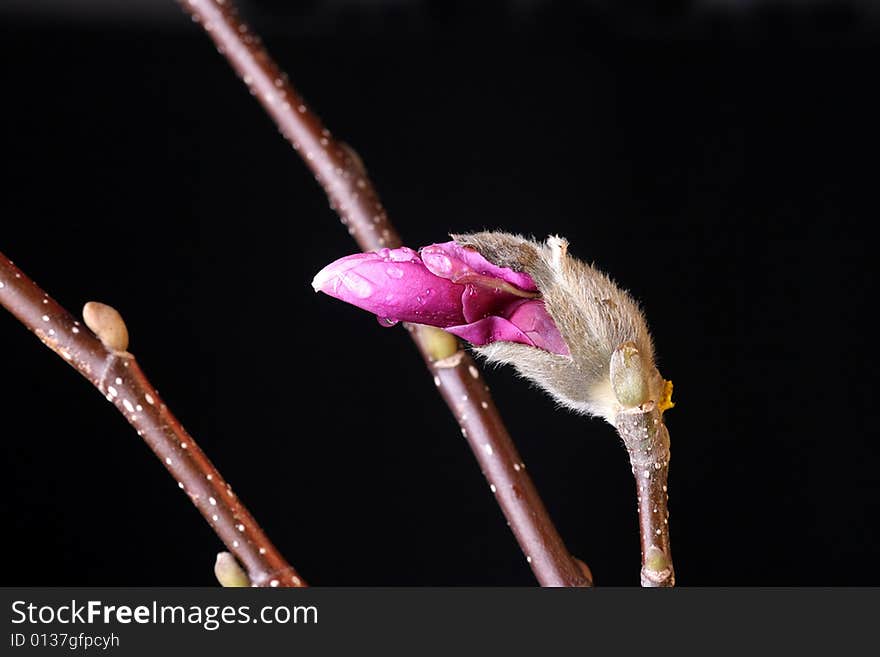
(562, 323)
(445, 286)
(596, 320)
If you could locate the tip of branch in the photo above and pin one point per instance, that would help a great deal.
(228, 572)
(106, 322)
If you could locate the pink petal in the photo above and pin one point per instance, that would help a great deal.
(527, 323)
(462, 265)
(488, 330)
(479, 302)
(444, 285)
(393, 284)
(490, 289)
(532, 318)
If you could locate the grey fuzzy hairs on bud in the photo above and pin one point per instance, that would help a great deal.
(596, 319)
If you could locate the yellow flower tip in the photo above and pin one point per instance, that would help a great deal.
(666, 402)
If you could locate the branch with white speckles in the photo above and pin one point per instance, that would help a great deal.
(102, 359)
(639, 423)
(342, 175)
(647, 440)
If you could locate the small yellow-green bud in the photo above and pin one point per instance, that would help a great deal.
(656, 560)
(628, 377)
(106, 322)
(228, 572)
(438, 343)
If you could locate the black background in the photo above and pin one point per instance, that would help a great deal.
(717, 161)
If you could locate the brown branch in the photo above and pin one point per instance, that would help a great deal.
(462, 387)
(646, 439)
(117, 375)
(639, 422)
(343, 177)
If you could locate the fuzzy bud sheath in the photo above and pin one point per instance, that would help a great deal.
(559, 321)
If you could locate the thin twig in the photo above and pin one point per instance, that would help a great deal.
(639, 423)
(647, 440)
(342, 175)
(118, 376)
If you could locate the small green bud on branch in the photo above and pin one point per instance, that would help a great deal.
(106, 322)
(228, 572)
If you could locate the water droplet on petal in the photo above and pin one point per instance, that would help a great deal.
(394, 272)
(387, 321)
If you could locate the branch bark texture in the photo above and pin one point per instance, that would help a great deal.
(117, 375)
(646, 439)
